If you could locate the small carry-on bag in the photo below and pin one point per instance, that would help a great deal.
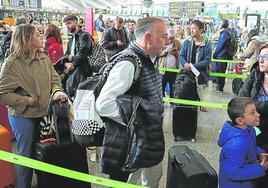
(189, 169)
(184, 121)
(7, 170)
(61, 151)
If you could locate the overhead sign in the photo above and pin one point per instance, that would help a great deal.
(228, 16)
(100, 11)
(186, 9)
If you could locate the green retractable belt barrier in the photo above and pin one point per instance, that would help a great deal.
(195, 103)
(227, 61)
(227, 75)
(35, 164)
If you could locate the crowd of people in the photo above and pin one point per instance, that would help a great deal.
(33, 73)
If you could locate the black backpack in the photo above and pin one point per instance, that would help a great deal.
(87, 132)
(232, 45)
(185, 86)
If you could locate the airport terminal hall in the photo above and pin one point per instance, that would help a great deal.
(133, 94)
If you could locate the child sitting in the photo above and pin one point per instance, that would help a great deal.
(239, 166)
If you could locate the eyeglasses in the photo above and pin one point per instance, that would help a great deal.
(262, 58)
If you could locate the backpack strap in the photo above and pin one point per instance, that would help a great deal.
(124, 55)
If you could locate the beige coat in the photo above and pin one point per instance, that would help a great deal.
(252, 51)
(22, 78)
(163, 56)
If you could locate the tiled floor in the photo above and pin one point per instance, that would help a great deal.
(209, 125)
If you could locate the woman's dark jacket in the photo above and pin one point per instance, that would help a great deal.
(251, 88)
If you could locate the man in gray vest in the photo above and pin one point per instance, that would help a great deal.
(151, 37)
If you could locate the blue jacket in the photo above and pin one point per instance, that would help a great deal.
(221, 49)
(238, 157)
(203, 56)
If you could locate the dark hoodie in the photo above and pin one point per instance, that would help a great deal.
(238, 158)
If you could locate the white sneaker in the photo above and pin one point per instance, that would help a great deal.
(193, 140)
(214, 86)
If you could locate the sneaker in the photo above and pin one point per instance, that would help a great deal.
(203, 109)
(193, 140)
(214, 86)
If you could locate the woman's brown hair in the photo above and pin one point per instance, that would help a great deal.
(262, 46)
(53, 31)
(21, 41)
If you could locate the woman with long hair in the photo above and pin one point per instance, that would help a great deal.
(256, 87)
(252, 48)
(27, 80)
(53, 44)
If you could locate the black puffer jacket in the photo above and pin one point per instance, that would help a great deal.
(148, 147)
(251, 88)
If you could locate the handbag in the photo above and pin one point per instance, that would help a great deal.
(87, 126)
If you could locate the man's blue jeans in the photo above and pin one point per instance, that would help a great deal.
(25, 131)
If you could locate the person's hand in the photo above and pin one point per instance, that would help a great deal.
(187, 66)
(264, 160)
(119, 43)
(60, 96)
(31, 101)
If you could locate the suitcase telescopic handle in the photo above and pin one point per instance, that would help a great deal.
(178, 162)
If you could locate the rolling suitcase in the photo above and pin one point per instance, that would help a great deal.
(189, 169)
(4, 120)
(61, 152)
(7, 170)
(184, 121)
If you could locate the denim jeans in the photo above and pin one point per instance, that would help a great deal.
(25, 131)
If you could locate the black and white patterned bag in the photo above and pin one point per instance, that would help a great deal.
(87, 125)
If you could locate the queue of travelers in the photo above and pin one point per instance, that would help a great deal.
(28, 81)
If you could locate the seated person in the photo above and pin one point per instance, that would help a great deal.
(239, 166)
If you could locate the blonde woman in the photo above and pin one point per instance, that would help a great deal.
(27, 80)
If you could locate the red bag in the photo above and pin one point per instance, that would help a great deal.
(7, 170)
(239, 68)
(4, 120)
(55, 52)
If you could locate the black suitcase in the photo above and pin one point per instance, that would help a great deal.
(189, 169)
(184, 121)
(63, 152)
